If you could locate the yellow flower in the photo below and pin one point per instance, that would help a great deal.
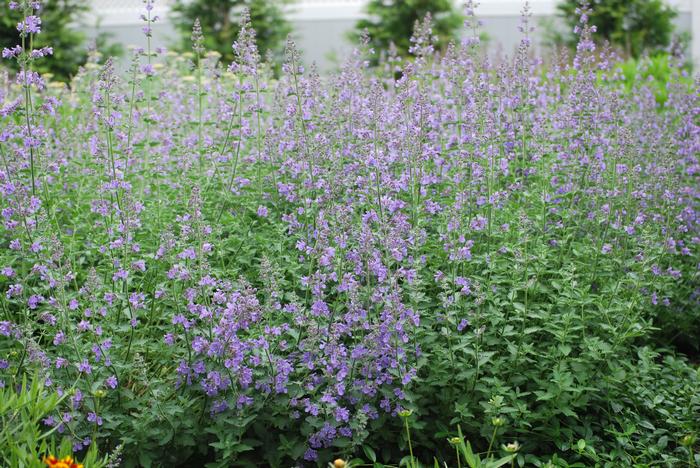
(65, 462)
(339, 463)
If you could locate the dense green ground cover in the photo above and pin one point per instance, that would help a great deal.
(202, 263)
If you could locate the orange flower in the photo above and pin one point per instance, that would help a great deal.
(65, 462)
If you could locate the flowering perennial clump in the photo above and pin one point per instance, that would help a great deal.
(212, 258)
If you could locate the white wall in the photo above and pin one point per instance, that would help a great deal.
(321, 26)
(695, 18)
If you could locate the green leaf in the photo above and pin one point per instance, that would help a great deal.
(500, 462)
(370, 453)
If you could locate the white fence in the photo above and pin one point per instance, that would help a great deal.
(338, 13)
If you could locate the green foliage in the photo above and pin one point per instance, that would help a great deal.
(23, 440)
(551, 358)
(473, 460)
(67, 42)
(393, 22)
(636, 26)
(657, 72)
(219, 20)
(554, 358)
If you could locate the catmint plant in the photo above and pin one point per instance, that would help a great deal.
(209, 262)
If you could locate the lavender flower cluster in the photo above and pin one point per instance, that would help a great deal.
(263, 243)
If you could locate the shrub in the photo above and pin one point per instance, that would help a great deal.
(67, 42)
(393, 22)
(219, 21)
(635, 26)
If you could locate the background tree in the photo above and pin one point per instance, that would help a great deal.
(393, 21)
(635, 26)
(220, 24)
(67, 43)
(58, 18)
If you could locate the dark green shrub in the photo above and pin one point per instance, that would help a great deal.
(220, 23)
(68, 42)
(393, 22)
(635, 26)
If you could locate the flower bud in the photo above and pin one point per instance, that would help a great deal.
(512, 447)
